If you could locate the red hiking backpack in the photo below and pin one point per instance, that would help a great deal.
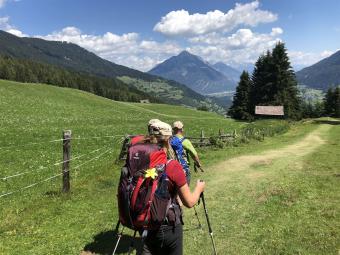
(143, 194)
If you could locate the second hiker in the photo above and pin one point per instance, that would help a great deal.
(183, 147)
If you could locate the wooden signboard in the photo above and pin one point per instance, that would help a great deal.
(269, 110)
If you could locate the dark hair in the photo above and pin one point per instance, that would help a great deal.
(176, 130)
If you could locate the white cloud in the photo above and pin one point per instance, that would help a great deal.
(6, 26)
(276, 31)
(181, 23)
(16, 32)
(242, 47)
(303, 59)
(126, 49)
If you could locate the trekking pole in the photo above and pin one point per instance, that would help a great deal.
(198, 219)
(195, 168)
(199, 167)
(119, 237)
(208, 221)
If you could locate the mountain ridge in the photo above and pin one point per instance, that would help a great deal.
(194, 72)
(322, 74)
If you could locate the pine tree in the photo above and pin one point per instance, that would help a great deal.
(260, 92)
(240, 107)
(274, 83)
(337, 102)
(329, 103)
(285, 91)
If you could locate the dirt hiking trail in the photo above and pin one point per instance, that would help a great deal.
(299, 149)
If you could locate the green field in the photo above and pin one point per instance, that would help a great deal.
(280, 196)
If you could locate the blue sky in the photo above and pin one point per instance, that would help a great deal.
(141, 34)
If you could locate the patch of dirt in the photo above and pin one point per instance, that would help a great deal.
(255, 175)
(262, 163)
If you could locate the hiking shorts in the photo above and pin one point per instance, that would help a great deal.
(168, 240)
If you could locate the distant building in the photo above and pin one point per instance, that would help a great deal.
(145, 101)
(269, 110)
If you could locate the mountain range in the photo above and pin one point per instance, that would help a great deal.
(75, 58)
(323, 74)
(195, 73)
(184, 79)
(228, 71)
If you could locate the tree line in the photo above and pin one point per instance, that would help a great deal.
(27, 71)
(332, 102)
(273, 83)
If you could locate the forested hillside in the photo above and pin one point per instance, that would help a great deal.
(29, 71)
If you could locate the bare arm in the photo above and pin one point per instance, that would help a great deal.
(187, 145)
(190, 199)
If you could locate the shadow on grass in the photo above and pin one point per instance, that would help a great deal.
(104, 243)
(329, 122)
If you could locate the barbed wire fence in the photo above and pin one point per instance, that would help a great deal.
(117, 140)
(88, 158)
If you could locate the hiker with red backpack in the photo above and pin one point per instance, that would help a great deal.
(183, 147)
(139, 138)
(147, 192)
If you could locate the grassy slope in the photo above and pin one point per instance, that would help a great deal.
(40, 220)
(173, 94)
(160, 88)
(268, 208)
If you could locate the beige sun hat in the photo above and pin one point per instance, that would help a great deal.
(178, 124)
(160, 128)
(152, 121)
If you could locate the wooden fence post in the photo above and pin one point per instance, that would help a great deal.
(202, 137)
(220, 133)
(234, 133)
(66, 160)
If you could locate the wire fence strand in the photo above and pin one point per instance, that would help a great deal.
(55, 176)
(30, 186)
(28, 144)
(95, 158)
(57, 140)
(47, 167)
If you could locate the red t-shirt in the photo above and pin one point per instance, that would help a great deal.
(176, 175)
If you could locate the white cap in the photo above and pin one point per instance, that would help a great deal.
(178, 124)
(160, 128)
(152, 121)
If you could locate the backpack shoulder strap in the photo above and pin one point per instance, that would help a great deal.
(182, 139)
